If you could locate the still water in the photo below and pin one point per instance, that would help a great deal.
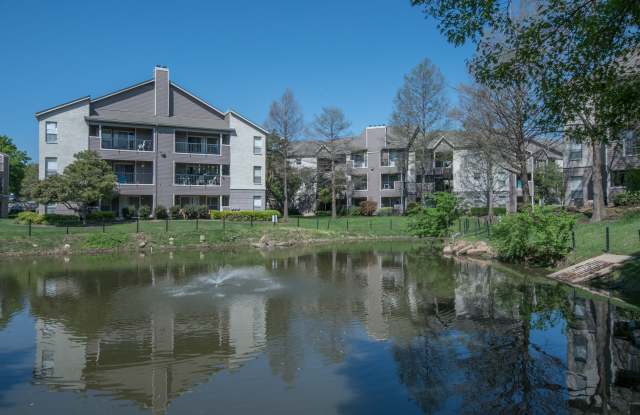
(363, 329)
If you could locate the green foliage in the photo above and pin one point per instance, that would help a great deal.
(174, 212)
(435, 221)
(29, 181)
(354, 211)
(144, 212)
(161, 212)
(83, 183)
(101, 216)
(627, 198)
(368, 207)
(484, 211)
(24, 217)
(632, 180)
(549, 183)
(385, 211)
(541, 236)
(128, 212)
(17, 163)
(244, 215)
(105, 240)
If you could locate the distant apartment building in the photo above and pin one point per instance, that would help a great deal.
(379, 166)
(166, 147)
(621, 157)
(4, 185)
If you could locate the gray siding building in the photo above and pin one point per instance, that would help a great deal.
(4, 185)
(166, 146)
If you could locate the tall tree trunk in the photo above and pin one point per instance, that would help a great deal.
(490, 190)
(333, 188)
(524, 178)
(599, 210)
(285, 212)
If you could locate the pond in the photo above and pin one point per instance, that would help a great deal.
(358, 329)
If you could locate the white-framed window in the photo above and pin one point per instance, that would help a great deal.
(257, 202)
(225, 202)
(51, 128)
(257, 174)
(575, 187)
(257, 145)
(575, 151)
(226, 139)
(631, 143)
(50, 166)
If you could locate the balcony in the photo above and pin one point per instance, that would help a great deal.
(198, 148)
(134, 178)
(134, 139)
(197, 179)
(441, 172)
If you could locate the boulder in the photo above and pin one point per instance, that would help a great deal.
(464, 250)
(447, 250)
(142, 244)
(66, 247)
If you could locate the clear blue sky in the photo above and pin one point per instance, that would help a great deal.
(236, 54)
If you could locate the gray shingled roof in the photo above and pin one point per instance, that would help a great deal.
(146, 119)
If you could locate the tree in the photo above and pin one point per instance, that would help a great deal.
(582, 55)
(29, 181)
(17, 162)
(419, 110)
(331, 125)
(549, 183)
(84, 183)
(285, 121)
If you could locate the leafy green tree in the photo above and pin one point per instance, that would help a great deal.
(580, 54)
(276, 189)
(29, 181)
(18, 160)
(83, 183)
(549, 183)
(435, 221)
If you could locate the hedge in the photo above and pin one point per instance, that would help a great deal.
(47, 219)
(627, 198)
(484, 211)
(244, 215)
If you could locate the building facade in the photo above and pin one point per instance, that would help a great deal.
(4, 185)
(167, 147)
(622, 157)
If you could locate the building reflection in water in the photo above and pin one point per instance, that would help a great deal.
(463, 334)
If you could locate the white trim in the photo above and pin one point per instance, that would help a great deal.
(247, 121)
(66, 104)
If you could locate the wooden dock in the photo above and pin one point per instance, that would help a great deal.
(591, 268)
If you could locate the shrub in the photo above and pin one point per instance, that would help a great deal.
(128, 212)
(190, 212)
(203, 212)
(385, 211)
(627, 198)
(244, 215)
(632, 180)
(161, 212)
(484, 211)
(368, 207)
(174, 212)
(144, 212)
(105, 240)
(540, 236)
(435, 221)
(323, 213)
(24, 218)
(100, 216)
(354, 211)
(412, 206)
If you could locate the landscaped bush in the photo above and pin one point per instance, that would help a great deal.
(105, 240)
(190, 212)
(174, 212)
(412, 206)
(161, 212)
(144, 212)
(24, 218)
(354, 211)
(244, 215)
(627, 198)
(435, 221)
(368, 207)
(484, 211)
(47, 219)
(128, 212)
(540, 236)
(101, 216)
(385, 211)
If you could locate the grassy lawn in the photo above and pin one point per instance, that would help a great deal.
(624, 238)
(15, 237)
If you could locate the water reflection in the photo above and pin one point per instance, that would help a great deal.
(392, 327)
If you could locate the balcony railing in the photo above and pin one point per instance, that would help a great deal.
(135, 144)
(198, 148)
(445, 172)
(134, 178)
(197, 179)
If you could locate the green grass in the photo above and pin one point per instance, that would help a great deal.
(16, 239)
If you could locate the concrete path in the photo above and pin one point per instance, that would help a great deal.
(590, 269)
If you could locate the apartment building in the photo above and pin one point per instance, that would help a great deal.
(621, 157)
(166, 146)
(4, 185)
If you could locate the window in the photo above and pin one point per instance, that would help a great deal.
(225, 169)
(359, 182)
(52, 132)
(50, 208)
(298, 161)
(631, 144)
(359, 159)
(94, 131)
(50, 166)
(257, 202)
(225, 139)
(617, 178)
(575, 151)
(186, 142)
(197, 174)
(575, 187)
(388, 181)
(225, 202)
(257, 175)
(137, 139)
(257, 145)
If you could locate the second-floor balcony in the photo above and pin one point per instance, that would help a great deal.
(135, 139)
(197, 143)
(444, 172)
(134, 178)
(200, 148)
(197, 179)
(133, 172)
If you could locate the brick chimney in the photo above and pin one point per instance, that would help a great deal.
(161, 78)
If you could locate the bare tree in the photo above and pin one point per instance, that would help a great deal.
(285, 121)
(331, 125)
(503, 123)
(419, 111)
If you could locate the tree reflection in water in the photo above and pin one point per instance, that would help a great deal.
(389, 322)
